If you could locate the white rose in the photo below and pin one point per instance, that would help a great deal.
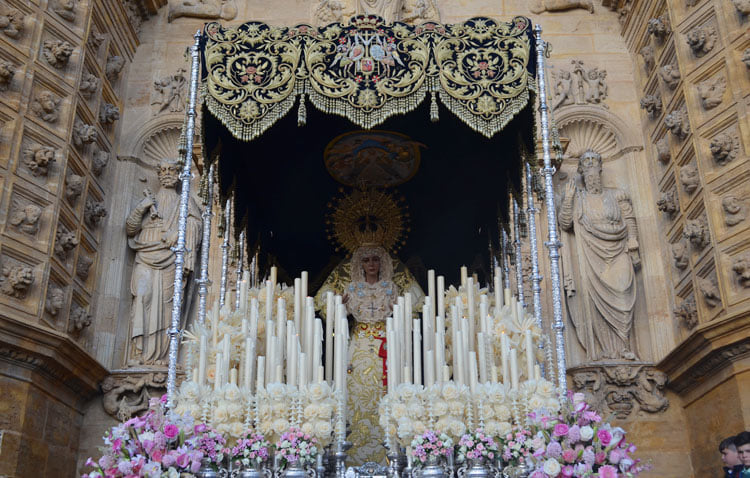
(308, 428)
(265, 427)
(443, 423)
(456, 407)
(280, 425)
(587, 433)
(552, 467)
(236, 429)
(504, 428)
(399, 411)
(415, 409)
(497, 393)
(439, 407)
(536, 402)
(325, 410)
(529, 386)
(277, 391)
(221, 414)
(545, 388)
(279, 409)
(322, 429)
(450, 391)
(492, 428)
(405, 429)
(419, 427)
(502, 412)
(235, 410)
(231, 392)
(456, 428)
(311, 411)
(182, 408)
(189, 391)
(318, 391)
(553, 405)
(406, 391)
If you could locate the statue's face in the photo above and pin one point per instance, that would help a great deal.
(168, 175)
(591, 170)
(731, 204)
(371, 265)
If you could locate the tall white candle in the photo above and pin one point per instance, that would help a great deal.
(233, 376)
(454, 338)
(440, 296)
(464, 275)
(458, 374)
(227, 343)
(202, 358)
(215, 323)
(431, 289)
(471, 313)
(309, 331)
(272, 361)
(297, 302)
(427, 337)
(316, 349)
(506, 297)
(446, 373)
(473, 372)
(321, 376)
(218, 380)
(417, 351)
(291, 338)
(303, 361)
(513, 369)
(498, 291)
(281, 327)
(529, 346)
(274, 275)
(408, 336)
(260, 382)
(482, 357)
(269, 357)
(269, 300)
(253, 318)
(429, 376)
(329, 336)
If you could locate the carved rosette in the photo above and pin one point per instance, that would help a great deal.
(621, 388)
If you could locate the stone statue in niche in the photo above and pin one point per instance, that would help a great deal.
(55, 300)
(670, 75)
(94, 212)
(73, 187)
(696, 231)
(734, 213)
(667, 203)
(83, 133)
(83, 266)
(38, 159)
(66, 9)
(65, 241)
(112, 70)
(724, 148)
(602, 222)
(46, 106)
(680, 255)
(7, 70)
(597, 88)
(79, 319)
(580, 86)
(99, 161)
(677, 123)
(701, 40)
(209, 9)
(647, 53)
(11, 21)
(108, 113)
(89, 85)
(662, 150)
(687, 313)
(26, 218)
(152, 232)
(711, 92)
(16, 280)
(539, 6)
(57, 53)
(563, 90)
(710, 291)
(741, 268)
(652, 105)
(746, 57)
(170, 92)
(659, 27)
(742, 6)
(328, 11)
(95, 40)
(689, 178)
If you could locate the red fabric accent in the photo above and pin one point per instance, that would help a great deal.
(383, 353)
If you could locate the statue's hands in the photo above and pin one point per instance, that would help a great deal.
(635, 256)
(169, 238)
(570, 189)
(146, 202)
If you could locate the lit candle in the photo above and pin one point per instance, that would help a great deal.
(417, 351)
(529, 345)
(329, 336)
(260, 384)
(513, 369)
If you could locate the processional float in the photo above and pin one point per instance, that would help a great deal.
(485, 72)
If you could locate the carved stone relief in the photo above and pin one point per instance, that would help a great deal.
(83, 133)
(622, 388)
(73, 187)
(670, 75)
(734, 212)
(579, 85)
(663, 153)
(136, 12)
(689, 178)
(66, 9)
(89, 85)
(680, 255)
(741, 269)
(652, 105)
(7, 70)
(710, 291)
(11, 21)
(742, 6)
(647, 53)
(746, 57)
(99, 160)
(38, 159)
(126, 396)
(328, 11)
(169, 92)
(95, 40)
(57, 53)
(46, 106)
(701, 40)
(83, 266)
(208, 9)
(108, 113)
(25, 218)
(724, 148)
(55, 300)
(539, 6)
(696, 231)
(677, 123)
(668, 204)
(94, 212)
(16, 280)
(711, 92)
(659, 27)
(687, 313)
(112, 70)
(79, 319)
(65, 242)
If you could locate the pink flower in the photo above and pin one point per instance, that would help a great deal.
(567, 471)
(200, 428)
(600, 457)
(157, 456)
(538, 474)
(171, 431)
(604, 437)
(608, 471)
(561, 429)
(569, 455)
(616, 455)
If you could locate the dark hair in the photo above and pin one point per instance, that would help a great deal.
(743, 438)
(727, 443)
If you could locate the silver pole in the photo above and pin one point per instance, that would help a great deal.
(179, 249)
(553, 244)
(517, 245)
(240, 268)
(225, 253)
(203, 281)
(536, 279)
(506, 262)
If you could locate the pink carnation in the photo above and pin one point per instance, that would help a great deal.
(608, 471)
(171, 431)
(569, 455)
(561, 429)
(605, 438)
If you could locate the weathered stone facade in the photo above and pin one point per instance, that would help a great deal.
(91, 100)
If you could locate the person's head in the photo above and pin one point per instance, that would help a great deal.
(169, 174)
(371, 266)
(590, 168)
(742, 442)
(729, 452)
(371, 263)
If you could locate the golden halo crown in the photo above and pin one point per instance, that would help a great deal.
(367, 217)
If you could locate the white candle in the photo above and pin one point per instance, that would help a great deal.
(473, 372)
(233, 376)
(274, 275)
(317, 346)
(202, 351)
(254, 318)
(454, 338)
(513, 369)
(481, 353)
(217, 373)
(408, 348)
(429, 376)
(506, 296)
(227, 342)
(498, 291)
(458, 374)
(427, 338)
(390, 362)
(417, 351)
(446, 373)
(291, 339)
(309, 331)
(279, 374)
(464, 275)
(439, 353)
(260, 384)
(441, 296)
(269, 357)
(321, 374)
(329, 336)
(281, 328)
(504, 359)
(537, 372)
(407, 374)
(248, 368)
(529, 345)
(483, 307)
(269, 300)
(494, 374)
(303, 287)
(215, 322)
(243, 328)
(297, 302)
(302, 371)
(470, 305)
(431, 289)
(339, 361)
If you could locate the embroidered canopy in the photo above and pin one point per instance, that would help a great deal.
(367, 71)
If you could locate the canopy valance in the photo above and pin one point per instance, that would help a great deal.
(367, 71)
